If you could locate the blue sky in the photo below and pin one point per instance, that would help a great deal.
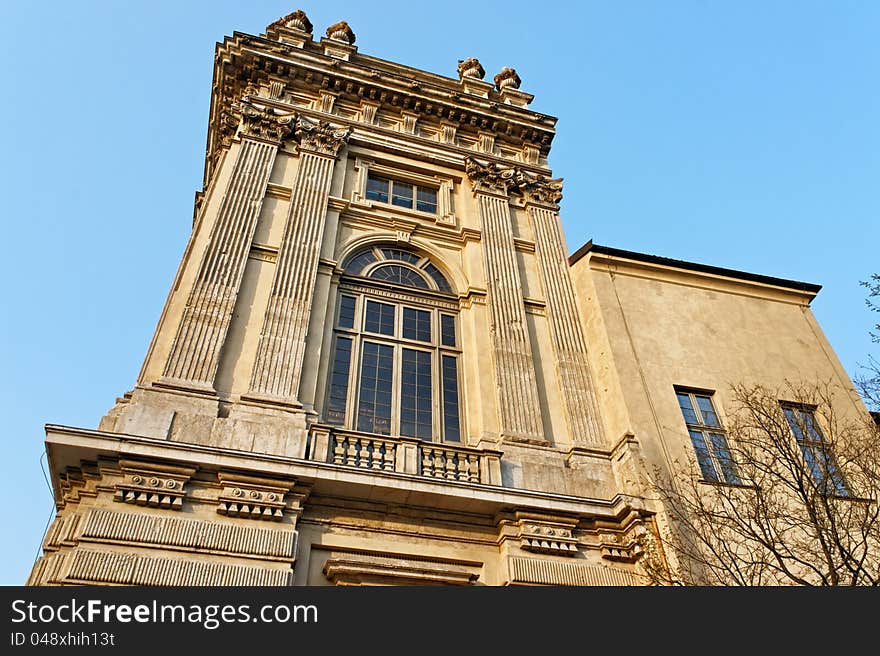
(741, 134)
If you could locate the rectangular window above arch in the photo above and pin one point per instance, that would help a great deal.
(399, 190)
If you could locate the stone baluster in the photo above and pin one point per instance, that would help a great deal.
(388, 457)
(427, 461)
(473, 468)
(450, 465)
(351, 454)
(338, 450)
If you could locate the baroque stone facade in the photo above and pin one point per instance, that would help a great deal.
(377, 362)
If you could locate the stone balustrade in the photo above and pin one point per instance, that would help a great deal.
(367, 452)
(404, 455)
(453, 464)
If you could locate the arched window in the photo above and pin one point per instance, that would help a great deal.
(396, 348)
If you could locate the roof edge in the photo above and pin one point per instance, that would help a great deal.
(590, 247)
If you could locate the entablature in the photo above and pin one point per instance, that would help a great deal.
(306, 77)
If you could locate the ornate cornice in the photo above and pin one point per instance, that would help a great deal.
(506, 180)
(320, 137)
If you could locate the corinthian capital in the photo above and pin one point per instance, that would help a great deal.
(542, 189)
(490, 176)
(261, 122)
(320, 137)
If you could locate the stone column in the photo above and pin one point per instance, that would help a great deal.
(515, 379)
(278, 367)
(195, 352)
(542, 196)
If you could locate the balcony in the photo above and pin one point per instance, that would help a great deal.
(380, 453)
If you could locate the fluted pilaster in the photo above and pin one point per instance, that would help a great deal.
(566, 332)
(515, 377)
(195, 352)
(278, 366)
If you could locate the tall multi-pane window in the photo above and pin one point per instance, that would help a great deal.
(401, 193)
(395, 363)
(815, 449)
(708, 437)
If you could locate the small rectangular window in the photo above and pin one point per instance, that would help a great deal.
(417, 324)
(374, 398)
(815, 449)
(379, 318)
(451, 426)
(426, 200)
(416, 406)
(447, 330)
(338, 396)
(401, 193)
(346, 312)
(709, 441)
(377, 188)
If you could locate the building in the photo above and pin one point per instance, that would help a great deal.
(378, 363)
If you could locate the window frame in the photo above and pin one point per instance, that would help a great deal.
(839, 487)
(721, 475)
(443, 185)
(413, 299)
(414, 188)
(381, 259)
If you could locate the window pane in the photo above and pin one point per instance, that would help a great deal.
(377, 188)
(346, 312)
(722, 454)
(403, 195)
(438, 277)
(379, 318)
(708, 412)
(813, 432)
(684, 402)
(447, 330)
(415, 395)
(400, 275)
(703, 456)
(417, 324)
(814, 466)
(426, 200)
(357, 263)
(403, 256)
(336, 398)
(374, 400)
(451, 427)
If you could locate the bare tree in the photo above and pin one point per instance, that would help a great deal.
(868, 383)
(805, 512)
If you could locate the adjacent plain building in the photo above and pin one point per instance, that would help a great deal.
(379, 364)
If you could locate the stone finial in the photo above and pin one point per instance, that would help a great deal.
(507, 78)
(341, 32)
(296, 20)
(470, 67)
